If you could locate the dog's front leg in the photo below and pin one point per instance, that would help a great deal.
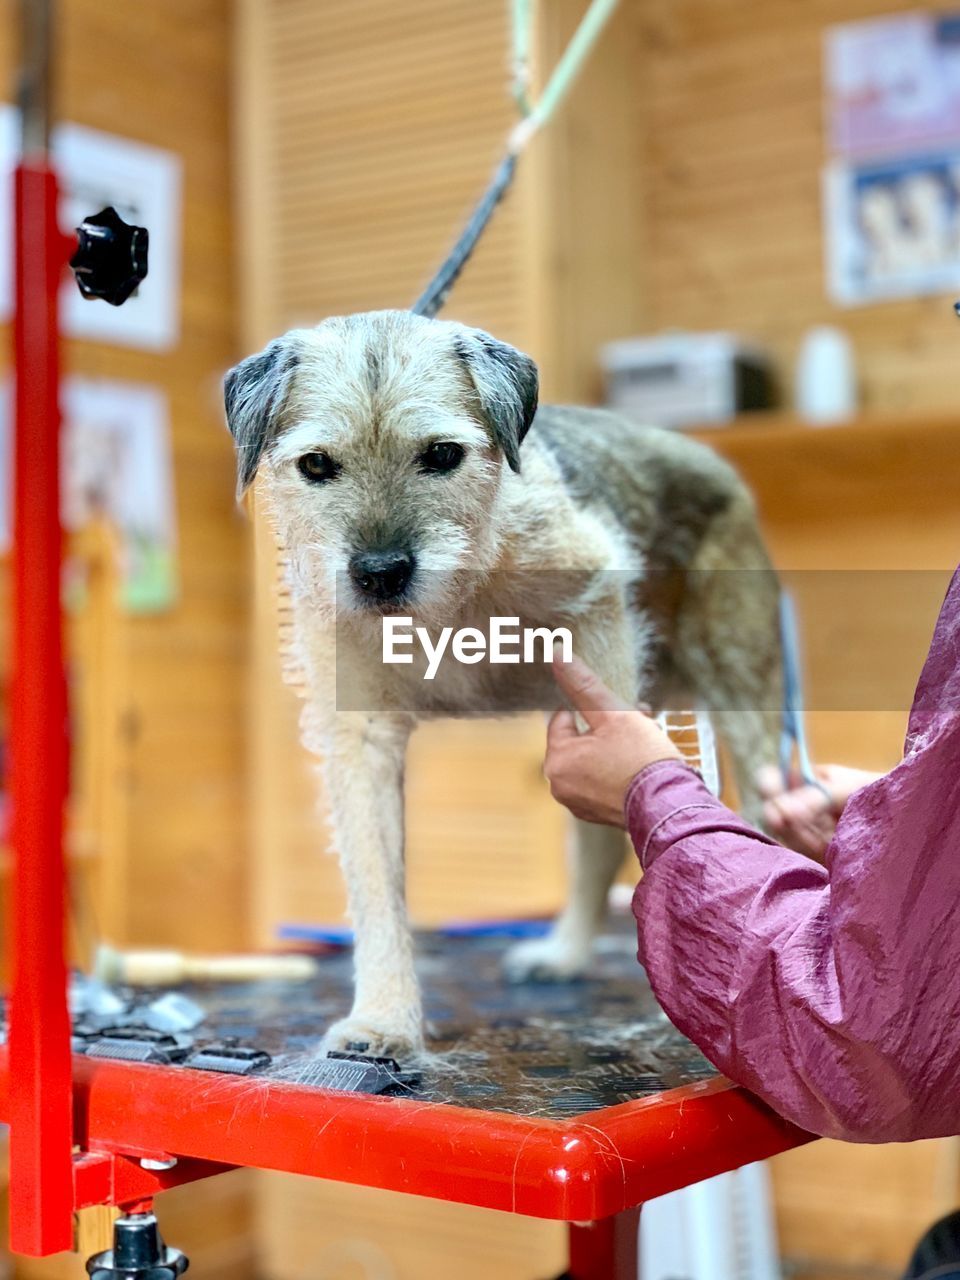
(364, 775)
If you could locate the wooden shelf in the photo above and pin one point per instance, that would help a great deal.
(893, 476)
(765, 429)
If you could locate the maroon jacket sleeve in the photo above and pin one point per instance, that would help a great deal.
(832, 992)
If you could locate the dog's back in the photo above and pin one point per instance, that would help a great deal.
(707, 584)
(664, 489)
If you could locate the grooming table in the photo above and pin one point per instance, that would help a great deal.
(574, 1101)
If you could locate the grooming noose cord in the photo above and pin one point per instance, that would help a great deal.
(533, 116)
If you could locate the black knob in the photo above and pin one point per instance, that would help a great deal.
(111, 257)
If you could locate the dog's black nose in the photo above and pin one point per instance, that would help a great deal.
(381, 575)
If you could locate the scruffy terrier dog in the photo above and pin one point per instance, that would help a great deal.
(388, 451)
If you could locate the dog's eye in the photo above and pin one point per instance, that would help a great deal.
(317, 467)
(442, 455)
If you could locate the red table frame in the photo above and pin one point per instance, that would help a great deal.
(591, 1171)
(79, 1129)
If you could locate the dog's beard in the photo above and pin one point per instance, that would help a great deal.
(314, 579)
(448, 569)
(441, 577)
(452, 562)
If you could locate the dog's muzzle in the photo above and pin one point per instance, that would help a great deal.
(382, 577)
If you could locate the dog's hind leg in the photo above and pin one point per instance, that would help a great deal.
(363, 769)
(751, 737)
(566, 950)
(610, 645)
(728, 641)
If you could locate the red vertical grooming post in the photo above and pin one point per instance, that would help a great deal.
(41, 1186)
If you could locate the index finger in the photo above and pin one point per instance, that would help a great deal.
(585, 691)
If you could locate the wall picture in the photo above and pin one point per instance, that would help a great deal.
(893, 227)
(892, 188)
(893, 82)
(115, 463)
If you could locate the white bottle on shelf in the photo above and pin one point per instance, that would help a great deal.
(825, 389)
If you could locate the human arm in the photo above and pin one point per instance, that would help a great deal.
(831, 991)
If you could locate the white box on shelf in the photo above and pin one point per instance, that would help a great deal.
(686, 379)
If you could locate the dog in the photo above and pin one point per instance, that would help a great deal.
(407, 470)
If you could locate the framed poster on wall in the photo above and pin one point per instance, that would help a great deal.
(893, 82)
(891, 191)
(893, 226)
(116, 463)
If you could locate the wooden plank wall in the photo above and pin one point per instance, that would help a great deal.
(369, 133)
(168, 84)
(587, 206)
(733, 152)
(158, 72)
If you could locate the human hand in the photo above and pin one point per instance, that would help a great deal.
(590, 772)
(802, 816)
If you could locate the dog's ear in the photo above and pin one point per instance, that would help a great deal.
(507, 385)
(254, 393)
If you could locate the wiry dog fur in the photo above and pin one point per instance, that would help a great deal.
(642, 542)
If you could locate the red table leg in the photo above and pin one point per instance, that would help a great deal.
(606, 1250)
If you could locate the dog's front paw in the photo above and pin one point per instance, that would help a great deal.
(357, 1034)
(549, 959)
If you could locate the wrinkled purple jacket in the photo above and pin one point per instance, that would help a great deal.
(832, 992)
